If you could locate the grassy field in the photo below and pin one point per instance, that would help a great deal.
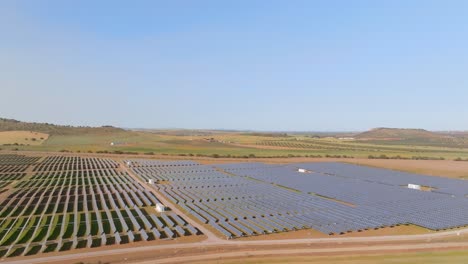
(232, 144)
(381, 142)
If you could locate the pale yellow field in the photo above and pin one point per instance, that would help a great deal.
(23, 137)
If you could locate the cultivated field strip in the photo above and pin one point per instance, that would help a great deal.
(255, 198)
(72, 202)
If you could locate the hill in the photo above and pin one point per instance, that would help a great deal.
(383, 133)
(400, 136)
(51, 129)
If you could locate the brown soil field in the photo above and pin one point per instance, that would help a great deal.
(444, 168)
(455, 256)
(257, 253)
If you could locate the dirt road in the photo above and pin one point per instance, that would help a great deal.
(304, 251)
(210, 236)
(343, 244)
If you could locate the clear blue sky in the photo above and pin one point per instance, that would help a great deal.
(263, 65)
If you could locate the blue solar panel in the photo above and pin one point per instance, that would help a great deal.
(332, 198)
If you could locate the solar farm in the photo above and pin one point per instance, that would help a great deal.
(56, 204)
(59, 203)
(246, 199)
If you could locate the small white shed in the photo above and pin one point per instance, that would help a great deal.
(160, 208)
(414, 186)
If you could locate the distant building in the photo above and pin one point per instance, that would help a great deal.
(414, 186)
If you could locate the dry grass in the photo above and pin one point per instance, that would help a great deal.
(23, 137)
(444, 168)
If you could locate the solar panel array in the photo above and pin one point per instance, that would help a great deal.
(73, 202)
(255, 198)
(380, 192)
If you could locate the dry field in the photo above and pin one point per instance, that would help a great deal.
(444, 168)
(23, 137)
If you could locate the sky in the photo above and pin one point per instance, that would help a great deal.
(256, 65)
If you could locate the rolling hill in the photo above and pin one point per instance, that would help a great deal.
(420, 137)
(51, 129)
(384, 133)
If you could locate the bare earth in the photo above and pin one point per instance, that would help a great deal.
(444, 168)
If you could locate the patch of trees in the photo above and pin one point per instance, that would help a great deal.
(251, 156)
(118, 152)
(267, 134)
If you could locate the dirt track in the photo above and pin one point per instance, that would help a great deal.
(306, 251)
(170, 253)
(210, 236)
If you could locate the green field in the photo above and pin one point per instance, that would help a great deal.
(380, 142)
(238, 145)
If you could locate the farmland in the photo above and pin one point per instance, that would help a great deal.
(380, 143)
(235, 145)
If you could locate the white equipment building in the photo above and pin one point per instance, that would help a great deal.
(414, 186)
(160, 208)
